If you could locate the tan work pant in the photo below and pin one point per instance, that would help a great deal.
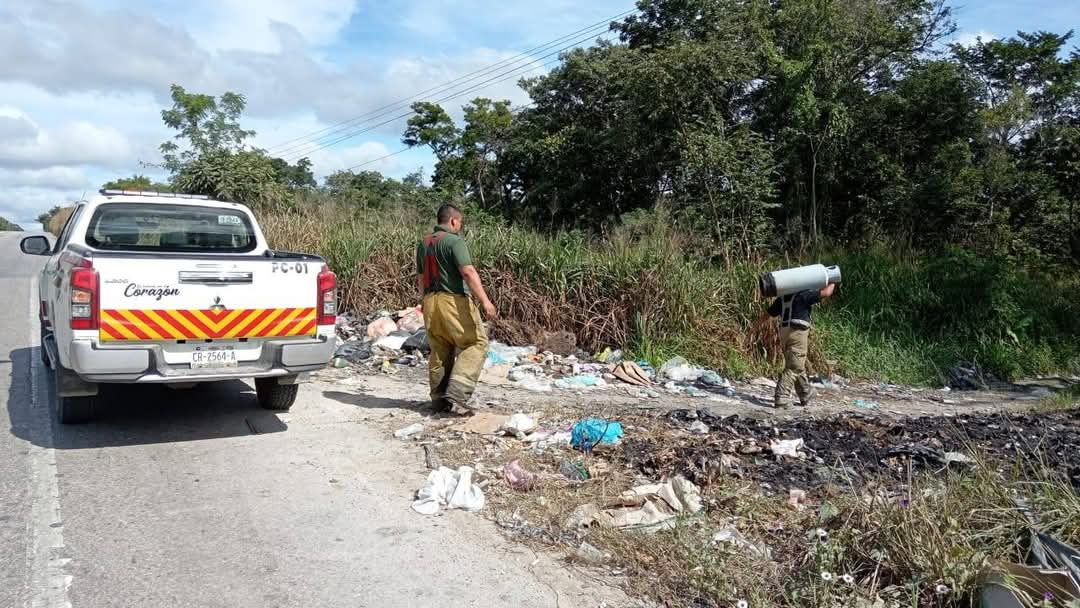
(454, 326)
(796, 343)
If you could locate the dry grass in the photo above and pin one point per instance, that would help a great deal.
(925, 543)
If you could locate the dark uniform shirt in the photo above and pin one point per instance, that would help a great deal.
(798, 309)
(451, 253)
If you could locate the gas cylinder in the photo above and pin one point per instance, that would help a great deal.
(793, 280)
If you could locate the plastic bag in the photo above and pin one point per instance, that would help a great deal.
(380, 327)
(680, 370)
(453, 489)
(589, 433)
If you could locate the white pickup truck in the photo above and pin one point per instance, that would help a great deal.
(145, 287)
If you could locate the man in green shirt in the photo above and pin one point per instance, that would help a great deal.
(447, 278)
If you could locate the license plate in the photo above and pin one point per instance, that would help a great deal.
(213, 359)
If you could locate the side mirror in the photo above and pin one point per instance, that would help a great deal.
(35, 245)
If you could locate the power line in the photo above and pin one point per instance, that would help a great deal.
(290, 146)
(347, 133)
(498, 78)
(375, 160)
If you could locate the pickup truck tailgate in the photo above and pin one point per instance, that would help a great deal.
(167, 299)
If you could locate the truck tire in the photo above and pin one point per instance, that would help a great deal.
(72, 410)
(274, 396)
(44, 351)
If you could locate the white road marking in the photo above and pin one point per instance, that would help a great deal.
(48, 583)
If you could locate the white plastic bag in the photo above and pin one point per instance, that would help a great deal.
(450, 488)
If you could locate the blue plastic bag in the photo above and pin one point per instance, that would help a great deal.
(589, 433)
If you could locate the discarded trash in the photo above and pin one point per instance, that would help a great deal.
(417, 342)
(957, 458)
(355, 351)
(522, 372)
(631, 373)
(380, 327)
(711, 378)
(449, 488)
(866, 405)
(558, 439)
(699, 428)
(731, 535)
(573, 470)
(394, 341)
(519, 423)
(763, 382)
(797, 499)
(680, 370)
(481, 423)
(585, 516)
(339, 363)
(534, 384)
(610, 356)
(411, 321)
(579, 382)
(501, 353)
(791, 448)
(518, 477)
(1051, 575)
(589, 433)
(590, 554)
(413, 430)
(651, 508)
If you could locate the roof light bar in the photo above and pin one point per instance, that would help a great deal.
(113, 192)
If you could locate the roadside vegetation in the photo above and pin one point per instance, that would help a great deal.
(7, 226)
(635, 200)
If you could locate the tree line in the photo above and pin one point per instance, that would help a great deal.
(759, 125)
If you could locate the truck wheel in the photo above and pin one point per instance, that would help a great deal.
(274, 396)
(72, 410)
(44, 351)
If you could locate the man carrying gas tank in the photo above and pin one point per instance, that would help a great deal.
(796, 291)
(448, 281)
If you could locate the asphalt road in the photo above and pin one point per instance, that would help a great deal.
(199, 498)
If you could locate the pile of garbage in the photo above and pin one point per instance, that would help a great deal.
(384, 339)
(464, 488)
(851, 449)
(389, 339)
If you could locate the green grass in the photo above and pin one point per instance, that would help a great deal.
(896, 318)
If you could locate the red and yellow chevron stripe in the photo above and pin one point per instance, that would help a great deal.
(155, 325)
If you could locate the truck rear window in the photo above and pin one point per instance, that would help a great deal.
(165, 227)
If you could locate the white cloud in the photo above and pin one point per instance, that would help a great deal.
(968, 39)
(243, 24)
(51, 178)
(83, 82)
(73, 143)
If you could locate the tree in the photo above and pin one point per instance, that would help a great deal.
(371, 190)
(296, 177)
(204, 125)
(136, 182)
(820, 56)
(8, 226)
(246, 177)
(44, 218)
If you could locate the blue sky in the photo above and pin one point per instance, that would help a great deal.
(82, 82)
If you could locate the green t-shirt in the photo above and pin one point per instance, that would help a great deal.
(452, 253)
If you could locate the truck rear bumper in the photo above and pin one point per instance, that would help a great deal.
(145, 363)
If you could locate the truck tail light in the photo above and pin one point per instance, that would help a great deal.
(326, 307)
(84, 296)
(43, 315)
